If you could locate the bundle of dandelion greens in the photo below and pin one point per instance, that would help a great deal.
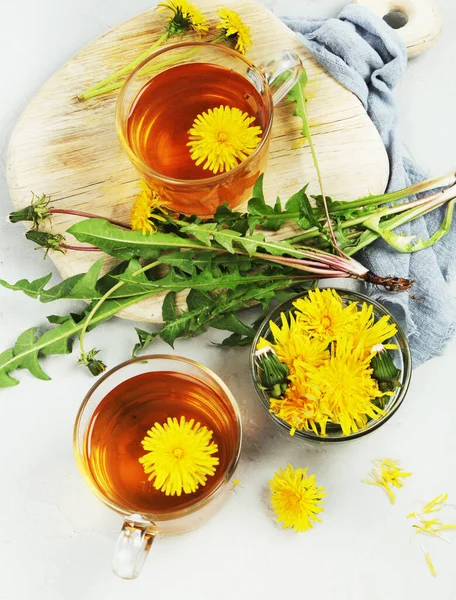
(225, 263)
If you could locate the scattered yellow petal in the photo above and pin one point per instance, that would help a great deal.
(296, 144)
(432, 506)
(179, 457)
(296, 499)
(182, 16)
(429, 562)
(236, 482)
(387, 474)
(223, 137)
(234, 29)
(431, 526)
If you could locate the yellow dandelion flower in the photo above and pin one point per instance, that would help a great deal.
(143, 210)
(387, 474)
(345, 388)
(292, 345)
(179, 457)
(368, 333)
(223, 137)
(183, 15)
(300, 411)
(322, 314)
(300, 407)
(234, 29)
(296, 498)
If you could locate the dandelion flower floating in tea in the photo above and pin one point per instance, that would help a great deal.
(296, 499)
(143, 211)
(184, 16)
(223, 137)
(234, 29)
(387, 474)
(179, 457)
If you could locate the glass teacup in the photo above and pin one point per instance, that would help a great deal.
(163, 96)
(112, 421)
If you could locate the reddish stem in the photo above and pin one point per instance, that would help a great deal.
(86, 215)
(80, 248)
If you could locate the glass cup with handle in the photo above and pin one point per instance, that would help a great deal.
(163, 96)
(111, 422)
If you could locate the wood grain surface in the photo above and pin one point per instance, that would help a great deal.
(68, 149)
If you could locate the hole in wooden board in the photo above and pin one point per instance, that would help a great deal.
(396, 19)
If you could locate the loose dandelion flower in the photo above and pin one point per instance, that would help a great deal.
(368, 333)
(387, 474)
(234, 29)
(345, 388)
(299, 410)
(291, 345)
(179, 457)
(183, 16)
(223, 137)
(323, 315)
(143, 211)
(296, 499)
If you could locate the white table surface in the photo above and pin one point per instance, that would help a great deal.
(57, 540)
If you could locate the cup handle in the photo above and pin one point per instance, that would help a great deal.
(282, 73)
(132, 547)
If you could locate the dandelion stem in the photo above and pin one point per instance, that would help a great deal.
(104, 298)
(101, 86)
(79, 248)
(85, 215)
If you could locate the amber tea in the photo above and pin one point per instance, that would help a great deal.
(165, 108)
(121, 421)
(156, 129)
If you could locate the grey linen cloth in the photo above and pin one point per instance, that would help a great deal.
(366, 56)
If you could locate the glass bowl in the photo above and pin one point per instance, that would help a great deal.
(401, 358)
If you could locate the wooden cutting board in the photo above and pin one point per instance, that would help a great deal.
(68, 149)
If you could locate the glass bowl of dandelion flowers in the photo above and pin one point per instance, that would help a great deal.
(330, 366)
